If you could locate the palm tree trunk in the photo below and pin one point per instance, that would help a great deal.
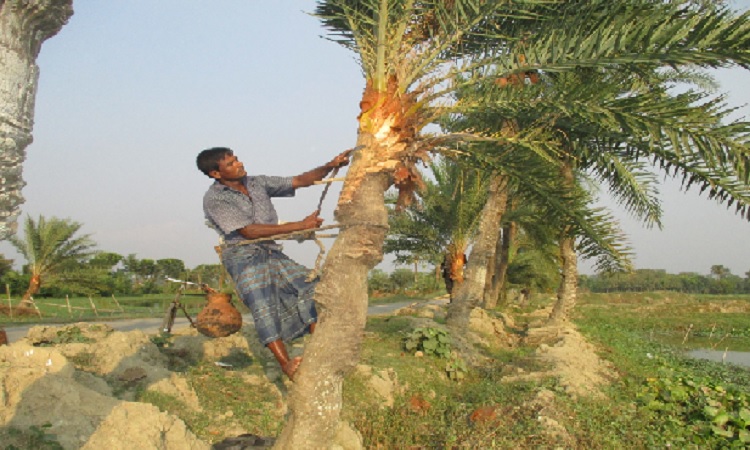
(470, 292)
(315, 400)
(489, 302)
(24, 25)
(566, 292)
(502, 258)
(455, 263)
(34, 285)
(510, 233)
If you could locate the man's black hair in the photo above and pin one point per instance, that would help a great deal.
(208, 159)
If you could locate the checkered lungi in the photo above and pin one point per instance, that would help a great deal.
(273, 286)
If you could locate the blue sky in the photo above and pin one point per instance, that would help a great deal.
(131, 91)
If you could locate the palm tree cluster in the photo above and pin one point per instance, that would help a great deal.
(543, 97)
(535, 101)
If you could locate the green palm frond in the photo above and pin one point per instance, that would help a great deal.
(448, 211)
(600, 33)
(608, 245)
(49, 245)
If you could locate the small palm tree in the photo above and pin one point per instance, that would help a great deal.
(51, 249)
(443, 222)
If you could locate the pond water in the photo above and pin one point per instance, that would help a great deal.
(738, 358)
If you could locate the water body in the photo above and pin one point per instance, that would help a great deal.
(738, 358)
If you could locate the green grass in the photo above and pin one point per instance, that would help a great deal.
(660, 399)
(686, 321)
(55, 310)
(226, 400)
(403, 297)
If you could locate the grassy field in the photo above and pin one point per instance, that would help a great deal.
(659, 399)
(80, 309)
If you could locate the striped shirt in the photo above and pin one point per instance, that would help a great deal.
(227, 210)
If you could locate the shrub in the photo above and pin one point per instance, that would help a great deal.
(431, 341)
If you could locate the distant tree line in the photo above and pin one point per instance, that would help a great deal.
(60, 261)
(115, 274)
(720, 280)
(403, 281)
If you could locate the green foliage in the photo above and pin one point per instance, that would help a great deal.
(402, 279)
(719, 281)
(680, 401)
(379, 282)
(402, 282)
(35, 437)
(704, 405)
(446, 216)
(456, 368)
(162, 340)
(209, 274)
(430, 341)
(68, 336)
(105, 260)
(170, 267)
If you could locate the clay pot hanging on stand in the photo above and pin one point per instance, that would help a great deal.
(219, 317)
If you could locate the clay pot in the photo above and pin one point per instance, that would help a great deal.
(219, 317)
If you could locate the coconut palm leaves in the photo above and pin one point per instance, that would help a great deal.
(54, 253)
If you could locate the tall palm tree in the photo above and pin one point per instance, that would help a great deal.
(25, 26)
(54, 253)
(408, 50)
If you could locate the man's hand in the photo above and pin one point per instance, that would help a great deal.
(340, 160)
(312, 221)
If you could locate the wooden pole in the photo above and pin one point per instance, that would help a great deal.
(10, 303)
(117, 303)
(67, 300)
(93, 306)
(329, 180)
(35, 307)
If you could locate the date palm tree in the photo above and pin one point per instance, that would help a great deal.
(409, 50)
(445, 218)
(54, 253)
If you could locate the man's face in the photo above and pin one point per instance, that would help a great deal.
(230, 168)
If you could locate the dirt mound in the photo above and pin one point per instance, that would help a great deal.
(42, 384)
(572, 360)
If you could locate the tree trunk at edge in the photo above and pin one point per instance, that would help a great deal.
(24, 26)
(470, 292)
(566, 292)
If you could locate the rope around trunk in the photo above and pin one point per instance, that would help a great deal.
(299, 236)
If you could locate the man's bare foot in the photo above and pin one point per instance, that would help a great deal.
(290, 368)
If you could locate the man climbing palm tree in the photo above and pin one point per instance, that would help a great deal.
(271, 284)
